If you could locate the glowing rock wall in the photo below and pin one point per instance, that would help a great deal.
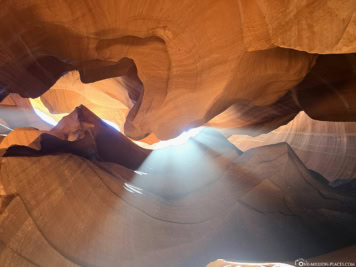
(182, 62)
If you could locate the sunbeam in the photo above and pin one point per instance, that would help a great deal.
(45, 117)
(191, 161)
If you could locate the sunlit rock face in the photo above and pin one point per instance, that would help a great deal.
(176, 133)
(171, 54)
(107, 98)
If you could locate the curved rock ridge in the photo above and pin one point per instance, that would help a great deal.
(244, 118)
(214, 200)
(81, 133)
(332, 83)
(182, 63)
(108, 98)
(326, 147)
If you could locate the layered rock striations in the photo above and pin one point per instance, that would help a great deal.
(84, 194)
(67, 210)
(326, 147)
(181, 63)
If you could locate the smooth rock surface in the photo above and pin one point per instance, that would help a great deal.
(170, 54)
(100, 213)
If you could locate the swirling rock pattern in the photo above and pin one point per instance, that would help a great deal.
(183, 62)
(68, 210)
(326, 147)
(84, 194)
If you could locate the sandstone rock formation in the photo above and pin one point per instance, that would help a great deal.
(273, 76)
(326, 147)
(80, 133)
(170, 54)
(261, 205)
(108, 98)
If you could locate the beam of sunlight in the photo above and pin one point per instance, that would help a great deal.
(45, 117)
(140, 173)
(132, 188)
(2, 125)
(184, 164)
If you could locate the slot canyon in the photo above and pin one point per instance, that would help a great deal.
(189, 133)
